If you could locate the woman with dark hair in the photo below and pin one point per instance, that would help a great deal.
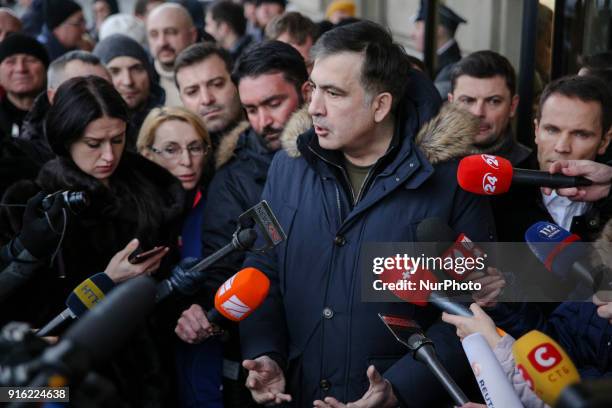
(129, 197)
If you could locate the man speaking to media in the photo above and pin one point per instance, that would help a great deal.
(357, 177)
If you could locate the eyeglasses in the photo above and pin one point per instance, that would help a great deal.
(174, 152)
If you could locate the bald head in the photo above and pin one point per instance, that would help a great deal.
(9, 22)
(170, 30)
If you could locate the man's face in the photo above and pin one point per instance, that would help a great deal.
(569, 129)
(8, 25)
(269, 101)
(22, 74)
(489, 99)
(265, 12)
(207, 89)
(130, 79)
(169, 32)
(71, 31)
(101, 10)
(303, 49)
(342, 115)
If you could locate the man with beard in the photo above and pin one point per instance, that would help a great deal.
(271, 78)
(484, 83)
(170, 30)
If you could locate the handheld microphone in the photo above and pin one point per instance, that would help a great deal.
(563, 254)
(409, 334)
(492, 381)
(544, 365)
(187, 282)
(449, 244)
(421, 295)
(587, 394)
(259, 216)
(85, 296)
(491, 175)
(95, 337)
(240, 295)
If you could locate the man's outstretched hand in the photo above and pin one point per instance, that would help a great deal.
(379, 395)
(266, 381)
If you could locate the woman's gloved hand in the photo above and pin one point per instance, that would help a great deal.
(41, 234)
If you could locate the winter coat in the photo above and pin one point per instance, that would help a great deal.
(93, 236)
(14, 162)
(242, 164)
(314, 321)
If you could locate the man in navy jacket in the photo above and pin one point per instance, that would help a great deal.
(355, 177)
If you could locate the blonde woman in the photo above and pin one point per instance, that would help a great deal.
(177, 140)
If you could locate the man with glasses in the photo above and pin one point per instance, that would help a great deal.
(64, 27)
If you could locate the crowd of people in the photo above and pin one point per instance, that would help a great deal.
(159, 128)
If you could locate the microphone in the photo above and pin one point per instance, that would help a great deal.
(85, 296)
(270, 231)
(544, 365)
(563, 254)
(588, 394)
(187, 282)
(449, 244)
(491, 175)
(409, 334)
(422, 294)
(240, 295)
(95, 337)
(492, 381)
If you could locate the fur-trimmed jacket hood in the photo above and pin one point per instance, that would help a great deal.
(450, 134)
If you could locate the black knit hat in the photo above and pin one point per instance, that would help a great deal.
(119, 45)
(282, 3)
(58, 11)
(23, 44)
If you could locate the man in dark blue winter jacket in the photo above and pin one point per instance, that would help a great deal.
(355, 177)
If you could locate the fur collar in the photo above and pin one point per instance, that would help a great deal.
(228, 144)
(448, 135)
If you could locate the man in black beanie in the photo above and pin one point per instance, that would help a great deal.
(23, 66)
(134, 77)
(64, 27)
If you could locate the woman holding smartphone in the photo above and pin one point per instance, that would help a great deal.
(128, 197)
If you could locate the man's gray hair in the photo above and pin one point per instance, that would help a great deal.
(55, 73)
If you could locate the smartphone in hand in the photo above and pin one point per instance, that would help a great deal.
(138, 256)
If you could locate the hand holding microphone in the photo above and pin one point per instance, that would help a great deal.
(492, 175)
(479, 323)
(235, 300)
(600, 174)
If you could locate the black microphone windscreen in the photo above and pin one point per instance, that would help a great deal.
(109, 324)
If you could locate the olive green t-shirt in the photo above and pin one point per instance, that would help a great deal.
(357, 175)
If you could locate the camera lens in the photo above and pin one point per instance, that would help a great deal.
(76, 201)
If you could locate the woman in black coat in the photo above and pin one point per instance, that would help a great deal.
(129, 197)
